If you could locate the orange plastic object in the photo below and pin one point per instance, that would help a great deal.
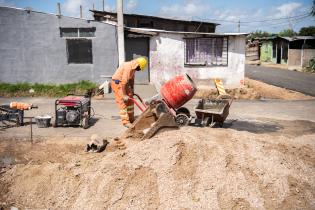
(20, 105)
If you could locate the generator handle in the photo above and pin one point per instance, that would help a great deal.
(87, 96)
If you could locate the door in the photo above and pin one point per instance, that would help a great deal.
(278, 55)
(134, 48)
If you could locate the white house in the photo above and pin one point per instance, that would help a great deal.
(181, 46)
(204, 56)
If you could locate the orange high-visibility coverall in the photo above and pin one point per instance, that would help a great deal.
(122, 84)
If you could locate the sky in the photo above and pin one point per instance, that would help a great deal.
(266, 15)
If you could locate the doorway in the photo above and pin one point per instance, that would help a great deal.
(278, 55)
(134, 48)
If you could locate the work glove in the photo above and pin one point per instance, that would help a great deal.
(125, 98)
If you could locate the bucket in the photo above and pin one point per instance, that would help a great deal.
(177, 91)
(43, 121)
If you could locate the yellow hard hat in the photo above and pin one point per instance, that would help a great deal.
(142, 61)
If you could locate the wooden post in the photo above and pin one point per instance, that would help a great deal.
(302, 53)
(31, 121)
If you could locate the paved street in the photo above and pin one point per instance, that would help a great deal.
(106, 119)
(293, 80)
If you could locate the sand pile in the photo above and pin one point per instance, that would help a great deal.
(190, 168)
(254, 89)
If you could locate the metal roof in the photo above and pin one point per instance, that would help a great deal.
(155, 17)
(290, 39)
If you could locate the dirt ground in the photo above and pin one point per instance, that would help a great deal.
(258, 164)
(263, 158)
(254, 89)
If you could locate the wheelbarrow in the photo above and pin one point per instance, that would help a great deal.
(211, 112)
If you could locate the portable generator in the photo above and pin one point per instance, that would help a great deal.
(73, 110)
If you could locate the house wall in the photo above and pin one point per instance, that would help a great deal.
(167, 60)
(296, 56)
(308, 54)
(31, 49)
(266, 52)
(252, 52)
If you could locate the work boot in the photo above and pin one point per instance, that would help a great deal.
(128, 125)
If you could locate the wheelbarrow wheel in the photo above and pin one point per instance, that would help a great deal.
(208, 122)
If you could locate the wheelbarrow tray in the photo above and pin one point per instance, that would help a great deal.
(213, 111)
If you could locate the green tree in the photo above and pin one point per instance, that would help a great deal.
(287, 32)
(307, 31)
(258, 34)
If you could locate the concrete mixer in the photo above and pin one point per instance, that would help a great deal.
(164, 111)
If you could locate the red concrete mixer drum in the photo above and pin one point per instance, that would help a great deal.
(176, 92)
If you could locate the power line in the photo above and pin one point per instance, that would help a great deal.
(289, 17)
(255, 21)
(282, 23)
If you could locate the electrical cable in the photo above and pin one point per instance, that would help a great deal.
(102, 116)
(256, 21)
(289, 17)
(279, 23)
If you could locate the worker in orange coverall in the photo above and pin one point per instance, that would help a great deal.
(123, 85)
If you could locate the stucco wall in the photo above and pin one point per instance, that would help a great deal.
(31, 49)
(167, 60)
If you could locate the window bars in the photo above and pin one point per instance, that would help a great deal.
(206, 51)
(77, 32)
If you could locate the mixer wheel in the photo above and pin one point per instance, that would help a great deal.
(182, 120)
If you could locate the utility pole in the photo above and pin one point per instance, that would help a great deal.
(120, 31)
(59, 9)
(103, 5)
(239, 26)
(81, 15)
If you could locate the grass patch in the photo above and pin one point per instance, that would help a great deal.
(49, 90)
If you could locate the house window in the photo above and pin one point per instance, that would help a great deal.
(206, 51)
(77, 32)
(79, 46)
(79, 51)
